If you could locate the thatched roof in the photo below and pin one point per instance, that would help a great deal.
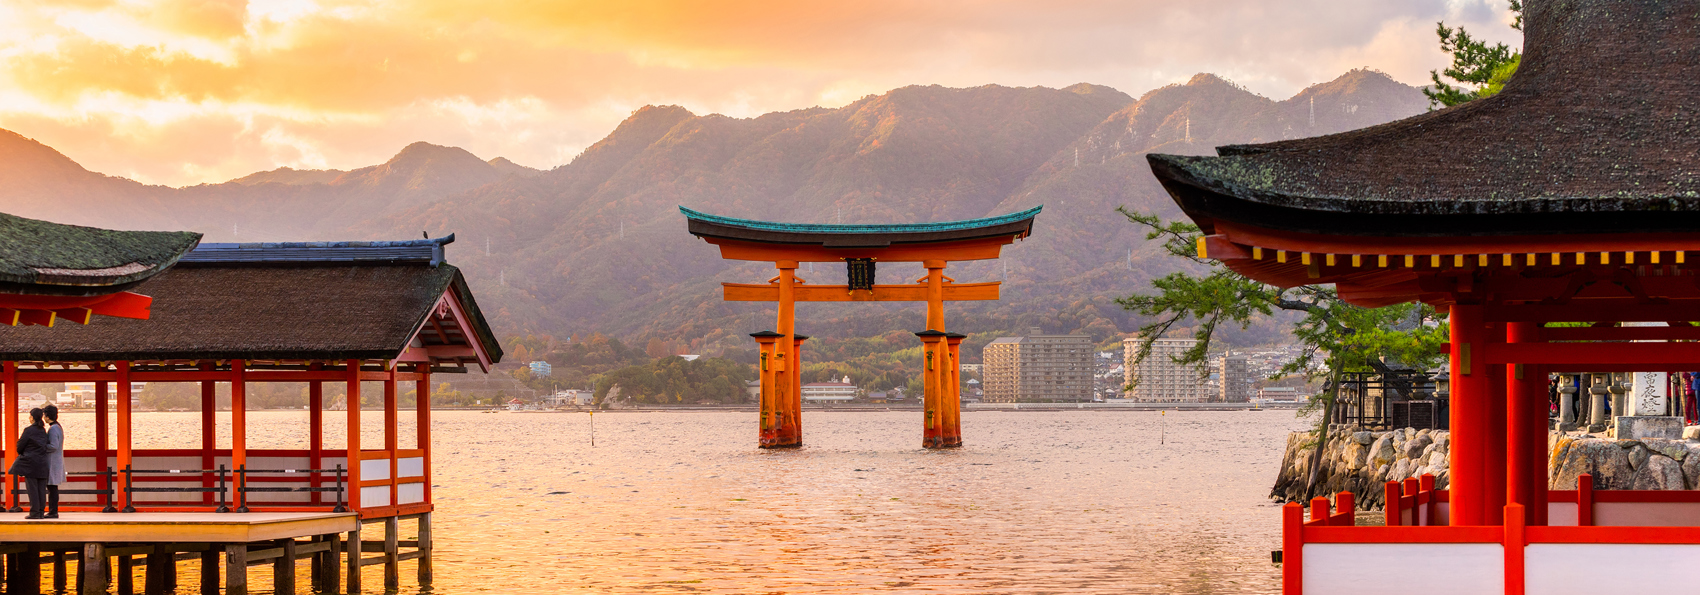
(259, 307)
(44, 258)
(1599, 131)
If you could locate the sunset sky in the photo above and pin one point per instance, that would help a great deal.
(182, 92)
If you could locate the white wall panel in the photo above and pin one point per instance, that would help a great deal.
(1601, 568)
(1392, 569)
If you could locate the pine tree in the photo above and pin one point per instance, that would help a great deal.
(1478, 70)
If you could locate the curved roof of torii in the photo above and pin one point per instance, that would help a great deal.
(1598, 132)
(1018, 224)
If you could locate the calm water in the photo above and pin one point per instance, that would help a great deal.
(1037, 502)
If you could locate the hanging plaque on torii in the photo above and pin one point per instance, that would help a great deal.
(861, 248)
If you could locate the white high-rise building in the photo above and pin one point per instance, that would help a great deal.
(1159, 378)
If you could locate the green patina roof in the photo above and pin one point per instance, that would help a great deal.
(863, 229)
(41, 253)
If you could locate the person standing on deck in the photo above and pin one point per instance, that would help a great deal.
(55, 459)
(31, 463)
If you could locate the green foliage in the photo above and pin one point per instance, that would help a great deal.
(577, 362)
(1337, 336)
(1478, 70)
(674, 381)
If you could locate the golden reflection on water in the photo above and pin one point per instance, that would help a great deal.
(683, 502)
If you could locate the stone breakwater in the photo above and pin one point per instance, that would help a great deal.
(1362, 462)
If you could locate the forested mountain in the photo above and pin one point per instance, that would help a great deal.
(597, 244)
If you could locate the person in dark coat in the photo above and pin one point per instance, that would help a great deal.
(55, 459)
(32, 464)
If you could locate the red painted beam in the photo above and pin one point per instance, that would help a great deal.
(1596, 311)
(1591, 354)
(1639, 333)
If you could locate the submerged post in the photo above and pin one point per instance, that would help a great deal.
(787, 433)
(932, 374)
(767, 366)
(953, 391)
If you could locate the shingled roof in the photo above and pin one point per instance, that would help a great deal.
(1598, 132)
(44, 258)
(292, 301)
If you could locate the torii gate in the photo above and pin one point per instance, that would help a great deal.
(859, 246)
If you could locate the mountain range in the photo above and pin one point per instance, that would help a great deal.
(598, 245)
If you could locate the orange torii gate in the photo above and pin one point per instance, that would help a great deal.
(859, 247)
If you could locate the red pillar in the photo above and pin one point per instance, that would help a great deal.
(422, 408)
(1526, 430)
(768, 366)
(209, 433)
(1469, 394)
(122, 378)
(353, 452)
(1492, 429)
(392, 431)
(102, 444)
(797, 386)
(953, 390)
(933, 361)
(238, 416)
(316, 430)
(9, 386)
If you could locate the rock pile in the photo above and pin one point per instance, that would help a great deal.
(1362, 462)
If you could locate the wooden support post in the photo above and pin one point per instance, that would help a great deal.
(9, 386)
(122, 378)
(422, 433)
(331, 581)
(153, 582)
(1492, 427)
(170, 571)
(209, 572)
(953, 391)
(933, 376)
(316, 433)
(786, 435)
(796, 382)
(353, 437)
(392, 435)
(126, 575)
(30, 568)
(392, 553)
(316, 567)
(425, 573)
(283, 569)
(932, 370)
(239, 429)
(1526, 430)
(92, 568)
(236, 569)
(59, 571)
(1470, 393)
(352, 547)
(102, 443)
(768, 366)
(209, 434)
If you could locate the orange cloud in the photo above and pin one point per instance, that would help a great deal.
(190, 91)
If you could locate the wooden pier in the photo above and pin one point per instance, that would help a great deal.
(353, 314)
(106, 550)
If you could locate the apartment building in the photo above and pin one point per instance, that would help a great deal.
(1038, 367)
(1159, 378)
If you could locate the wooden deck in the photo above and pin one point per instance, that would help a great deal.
(173, 527)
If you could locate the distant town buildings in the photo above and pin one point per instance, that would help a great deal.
(541, 368)
(1278, 393)
(829, 392)
(1038, 367)
(1159, 378)
(1236, 379)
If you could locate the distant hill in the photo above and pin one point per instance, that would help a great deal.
(597, 245)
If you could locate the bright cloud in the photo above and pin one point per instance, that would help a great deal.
(189, 91)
